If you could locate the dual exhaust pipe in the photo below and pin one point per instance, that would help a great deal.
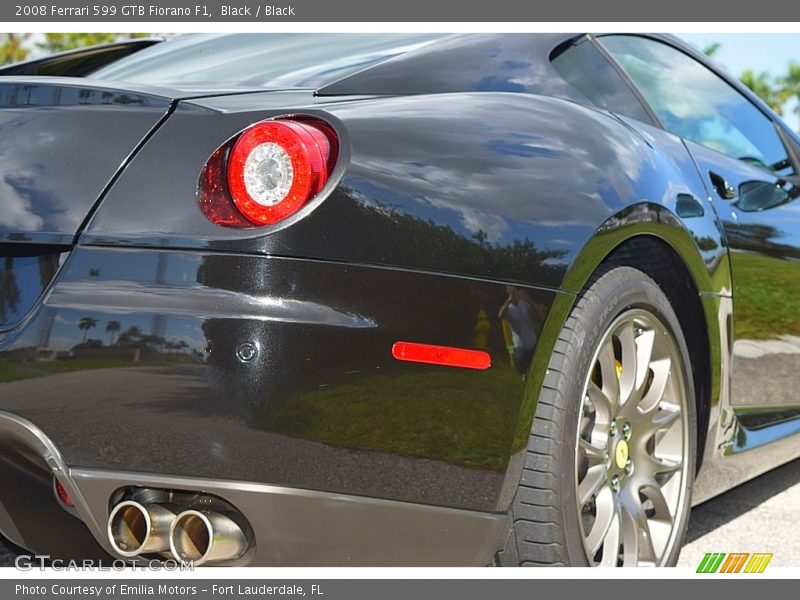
(198, 536)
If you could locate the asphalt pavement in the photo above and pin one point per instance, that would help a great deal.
(758, 516)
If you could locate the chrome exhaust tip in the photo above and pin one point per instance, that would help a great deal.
(206, 537)
(135, 528)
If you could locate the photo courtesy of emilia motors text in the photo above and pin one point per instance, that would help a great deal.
(347, 299)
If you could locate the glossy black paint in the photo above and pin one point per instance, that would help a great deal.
(272, 370)
(760, 226)
(80, 62)
(511, 62)
(471, 184)
(176, 346)
(50, 174)
(25, 272)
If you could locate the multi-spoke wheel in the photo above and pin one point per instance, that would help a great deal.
(630, 457)
(610, 461)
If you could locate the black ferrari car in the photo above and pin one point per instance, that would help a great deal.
(511, 299)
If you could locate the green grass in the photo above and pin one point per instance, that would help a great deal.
(457, 416)
(453, 415)
(766, 296)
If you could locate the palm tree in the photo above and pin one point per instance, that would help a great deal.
(112, 327)
(134, 331)
(791, 84)
(130, 336)
(764, 87)
(13, 47)
(85, 324)
(48, 266)
(9, 292)
(711, 49)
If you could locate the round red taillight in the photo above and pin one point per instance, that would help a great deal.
(275, 167)
(268, 172)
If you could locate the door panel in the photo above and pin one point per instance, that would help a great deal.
(747, 171)
(761, 218)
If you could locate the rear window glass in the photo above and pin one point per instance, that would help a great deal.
(586, 69)
(259, 60)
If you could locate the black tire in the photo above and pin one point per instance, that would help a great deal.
(544, 528)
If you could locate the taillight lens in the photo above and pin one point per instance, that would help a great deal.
(268, 172)
(63, 494)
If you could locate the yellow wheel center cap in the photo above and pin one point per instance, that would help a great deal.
(621, 454)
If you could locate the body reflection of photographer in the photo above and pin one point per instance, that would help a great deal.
(522, 315)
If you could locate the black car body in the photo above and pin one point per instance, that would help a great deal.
(147, 350)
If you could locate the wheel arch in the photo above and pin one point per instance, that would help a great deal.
(684, 263)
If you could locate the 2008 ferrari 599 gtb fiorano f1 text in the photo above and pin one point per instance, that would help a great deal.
(389, 299)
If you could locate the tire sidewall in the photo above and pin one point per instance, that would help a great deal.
(613, 293)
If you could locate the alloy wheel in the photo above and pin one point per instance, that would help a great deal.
(631, 455)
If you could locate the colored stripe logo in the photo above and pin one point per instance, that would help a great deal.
(734, 562)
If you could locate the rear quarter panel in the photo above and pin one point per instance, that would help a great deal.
(504, 186)
(437, 202)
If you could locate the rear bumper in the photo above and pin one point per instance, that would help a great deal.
(290, 526)
(270, 382)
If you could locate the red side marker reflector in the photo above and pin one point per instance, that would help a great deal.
(63, 495)
(441, 355)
